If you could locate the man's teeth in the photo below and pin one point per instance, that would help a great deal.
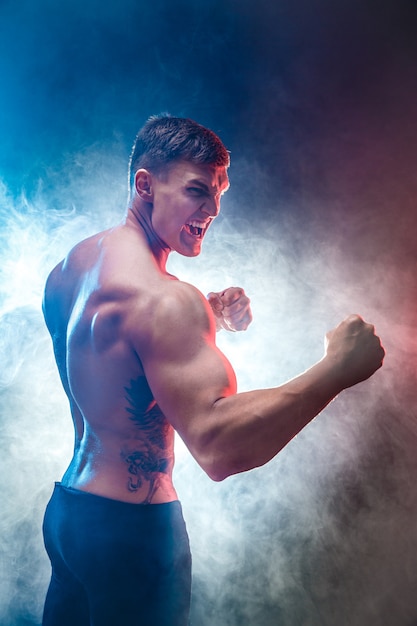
(196, 228)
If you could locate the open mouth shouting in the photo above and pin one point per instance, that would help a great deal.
(196, 229)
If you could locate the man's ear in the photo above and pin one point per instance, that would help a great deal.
(144, 185)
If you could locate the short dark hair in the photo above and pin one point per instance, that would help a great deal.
(164, 139)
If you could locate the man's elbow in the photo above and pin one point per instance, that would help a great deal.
(214, 460)
(217, 473)
(220, 465)
(216, 466)
(215, 469)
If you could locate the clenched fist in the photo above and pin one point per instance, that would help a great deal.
(231, 309)
(355, 350)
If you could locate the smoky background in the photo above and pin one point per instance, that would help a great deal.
(317, 104)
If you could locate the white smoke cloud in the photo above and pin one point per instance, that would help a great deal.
(331, 519)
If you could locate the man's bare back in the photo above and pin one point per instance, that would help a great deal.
(123, 443)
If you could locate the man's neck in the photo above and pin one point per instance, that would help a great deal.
(140, 219)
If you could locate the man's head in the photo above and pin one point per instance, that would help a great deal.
(164, 140)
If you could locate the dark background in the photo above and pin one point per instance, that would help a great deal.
(316, 101)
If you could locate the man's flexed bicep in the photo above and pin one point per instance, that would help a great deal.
(185, 370)
(195, 387)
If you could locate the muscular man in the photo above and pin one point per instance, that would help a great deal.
(136, 352)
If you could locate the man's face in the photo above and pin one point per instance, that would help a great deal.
(185, 202)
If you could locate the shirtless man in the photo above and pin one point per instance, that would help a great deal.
(136, 352)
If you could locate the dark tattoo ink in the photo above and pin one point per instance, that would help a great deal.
(149, 457)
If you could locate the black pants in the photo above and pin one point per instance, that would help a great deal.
(115, 563)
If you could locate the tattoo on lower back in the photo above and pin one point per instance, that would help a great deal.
(147, 457)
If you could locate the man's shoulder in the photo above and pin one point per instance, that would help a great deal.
(78, 259)
(48, 300)
(63, 284)
(166, 298)
(168, 312)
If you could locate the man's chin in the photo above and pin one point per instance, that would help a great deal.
(189, 251)
(188, 245)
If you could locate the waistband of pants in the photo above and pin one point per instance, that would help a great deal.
(94, 499)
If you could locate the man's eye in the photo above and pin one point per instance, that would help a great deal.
(196, 190)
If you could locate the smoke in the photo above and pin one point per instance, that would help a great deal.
(316, 106)
(331, 519)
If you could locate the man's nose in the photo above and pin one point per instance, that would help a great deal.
(211, 207)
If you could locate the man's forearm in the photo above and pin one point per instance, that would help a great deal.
(246, 430)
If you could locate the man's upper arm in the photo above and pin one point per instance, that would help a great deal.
(185, 370)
